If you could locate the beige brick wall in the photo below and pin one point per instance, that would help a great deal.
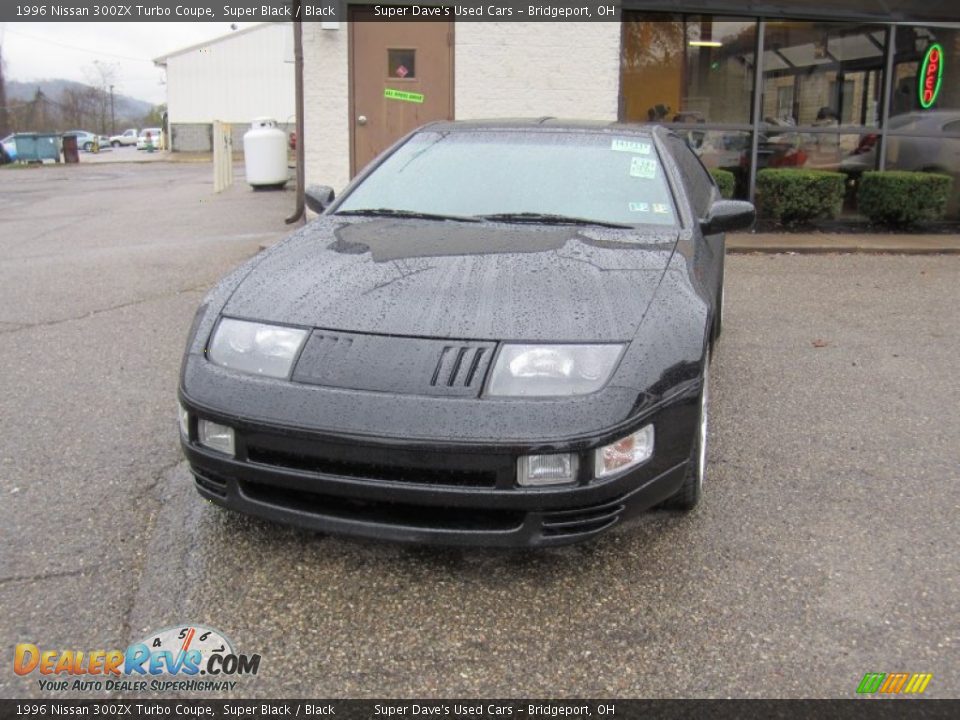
(568, 70)
(326, 94)
(517, 69)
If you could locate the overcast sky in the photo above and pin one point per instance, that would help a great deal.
(35, 51)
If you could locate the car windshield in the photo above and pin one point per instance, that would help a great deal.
(541, 176)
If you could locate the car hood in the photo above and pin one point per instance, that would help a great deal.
(483, 281)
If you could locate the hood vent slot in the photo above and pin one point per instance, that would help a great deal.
(458, 366)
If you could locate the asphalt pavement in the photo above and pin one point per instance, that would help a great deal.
(826, 546)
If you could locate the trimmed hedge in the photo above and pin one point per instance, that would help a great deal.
(725, 181)
(900, 198)
(798, 196)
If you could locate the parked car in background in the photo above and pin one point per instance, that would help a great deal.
(926, 154)
(516, 354)
(126, 138)
(8, 150)
(149, 137)
(85, 140)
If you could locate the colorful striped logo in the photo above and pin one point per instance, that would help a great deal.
(894, 683)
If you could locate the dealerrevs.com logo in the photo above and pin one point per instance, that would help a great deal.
(894, 683)
(185, 658)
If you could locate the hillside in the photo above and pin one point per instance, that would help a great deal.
(24, 91)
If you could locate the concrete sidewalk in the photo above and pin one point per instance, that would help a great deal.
(893, 243)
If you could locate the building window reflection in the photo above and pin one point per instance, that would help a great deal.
(692, 69)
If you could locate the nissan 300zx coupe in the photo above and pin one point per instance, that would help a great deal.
(500, 334)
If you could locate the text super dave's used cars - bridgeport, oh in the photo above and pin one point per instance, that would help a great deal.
(499, 335)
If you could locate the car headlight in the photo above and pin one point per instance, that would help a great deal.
(216, 437)
(255, 348)
(550, 370)
(183, 415)
(625, 453)
(536, 470)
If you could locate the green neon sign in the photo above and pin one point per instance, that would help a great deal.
(402, 95)
(930, 76)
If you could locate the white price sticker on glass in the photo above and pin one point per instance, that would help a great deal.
(630, 146)
(643, 168)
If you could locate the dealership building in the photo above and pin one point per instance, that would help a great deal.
(846, 85)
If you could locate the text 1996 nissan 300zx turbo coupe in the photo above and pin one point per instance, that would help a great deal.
(498, 335)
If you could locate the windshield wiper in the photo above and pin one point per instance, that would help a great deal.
(551, 219)
(391, 212)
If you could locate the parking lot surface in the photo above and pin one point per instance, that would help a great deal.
(826, 546)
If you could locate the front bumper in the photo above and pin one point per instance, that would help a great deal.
(428, 492)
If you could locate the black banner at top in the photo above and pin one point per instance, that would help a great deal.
(308, 11)
(335, 11)
(479, 709)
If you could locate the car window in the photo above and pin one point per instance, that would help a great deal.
(595, 176)
(696, 179)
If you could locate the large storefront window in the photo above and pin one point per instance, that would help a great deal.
(822, 96)
(686, 69)
(821, 93)
(818, 74)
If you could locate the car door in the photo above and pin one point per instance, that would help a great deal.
(702, 191)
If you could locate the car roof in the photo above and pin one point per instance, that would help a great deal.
(547, 124)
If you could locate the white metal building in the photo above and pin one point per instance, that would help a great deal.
(235, 78)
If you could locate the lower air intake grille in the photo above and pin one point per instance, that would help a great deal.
(391, 465)
(385, 513)
(582, 521)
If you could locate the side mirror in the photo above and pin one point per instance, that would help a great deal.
(318, 197)
(728, 215)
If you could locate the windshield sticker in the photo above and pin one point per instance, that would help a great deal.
(661, 209)
(643, 168)
(392, 94)
(631, 146)
(639, 207)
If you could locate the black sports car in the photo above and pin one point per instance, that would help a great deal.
(498, 335)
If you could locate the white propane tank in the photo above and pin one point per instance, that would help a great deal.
(265, 154)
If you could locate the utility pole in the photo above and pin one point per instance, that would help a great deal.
(113, 117)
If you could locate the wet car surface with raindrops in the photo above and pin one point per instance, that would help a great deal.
(499, 335)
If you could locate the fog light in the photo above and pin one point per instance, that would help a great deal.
(184, 420)
(625, 453)
(546, 469)
(216, 437)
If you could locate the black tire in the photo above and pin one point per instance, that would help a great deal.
(115, 144)
(88, 146)
(689, 494)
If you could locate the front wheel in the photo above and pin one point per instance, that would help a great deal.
(115, 143)
(87, 147)
(689, 494)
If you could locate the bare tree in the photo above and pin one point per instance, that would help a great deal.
(101, 77)
(4, 120)
(42, 112)
(79, 107)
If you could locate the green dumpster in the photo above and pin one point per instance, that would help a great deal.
(37, 147)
